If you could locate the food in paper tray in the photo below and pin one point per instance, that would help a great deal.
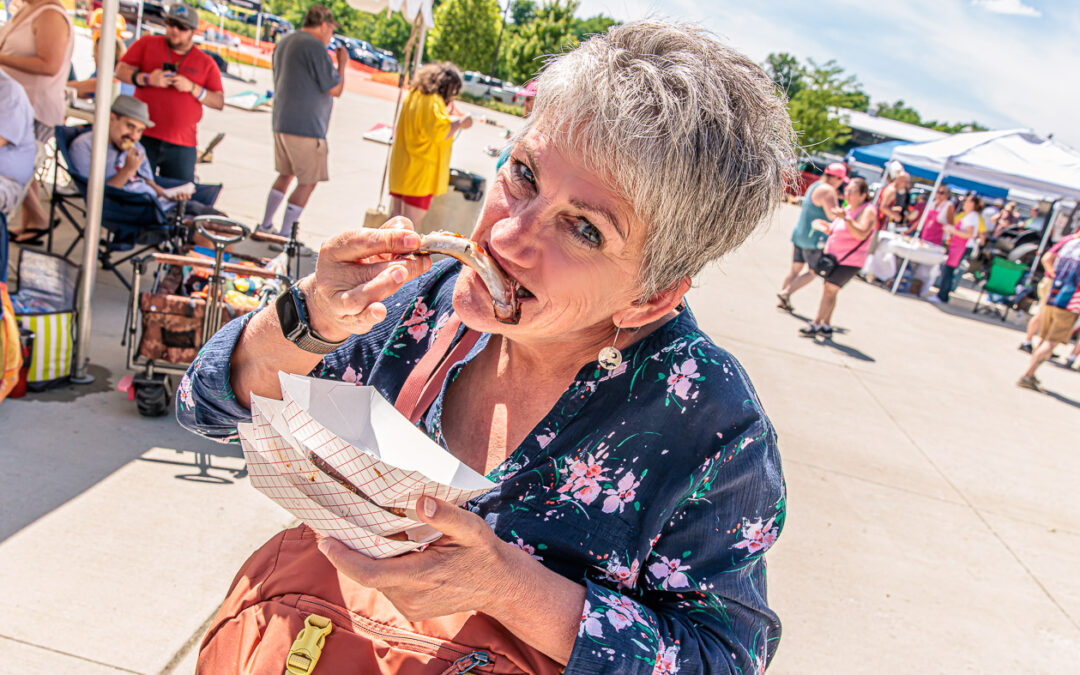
(503, 290)
(340, 458)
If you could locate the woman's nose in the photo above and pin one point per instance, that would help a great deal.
(516, 238)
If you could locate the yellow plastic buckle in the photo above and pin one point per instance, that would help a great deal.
(308, 646)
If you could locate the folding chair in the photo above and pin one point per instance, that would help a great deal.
(134, 223)
(1002, 283)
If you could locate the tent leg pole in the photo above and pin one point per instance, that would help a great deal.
(95, 195)
(918, 232)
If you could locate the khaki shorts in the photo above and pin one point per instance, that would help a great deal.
(303, 157)
(1057, 324)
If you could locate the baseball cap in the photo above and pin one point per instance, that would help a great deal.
(184, 15)
(317, 15)
(838, 169)
(129, 106)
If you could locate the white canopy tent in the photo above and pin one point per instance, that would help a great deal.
(1017, 159)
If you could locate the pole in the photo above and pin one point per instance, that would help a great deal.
(922, 223)
(138, 22)
(96, 189)
(498, 41)
(258, 32)
(419, 50)
(1046, 235)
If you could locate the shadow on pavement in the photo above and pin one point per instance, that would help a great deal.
(1064, 399)
(846, 350)
(203, 464)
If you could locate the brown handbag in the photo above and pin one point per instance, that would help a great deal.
(290, 611)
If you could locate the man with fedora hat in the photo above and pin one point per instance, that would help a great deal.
(175, 79)
(126, 165)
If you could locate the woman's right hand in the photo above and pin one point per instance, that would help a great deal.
(354, 272)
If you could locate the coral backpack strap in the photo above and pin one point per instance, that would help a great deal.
(426, 379)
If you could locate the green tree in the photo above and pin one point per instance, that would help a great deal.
(583, 28)
(522, 11)
(786, 72)
(465, 32)
(551, 32)
(899, 112)
(813, 109)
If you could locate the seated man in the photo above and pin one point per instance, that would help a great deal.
(18, 149)
(126, 166)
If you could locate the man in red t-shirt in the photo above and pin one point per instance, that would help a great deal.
(176, 80)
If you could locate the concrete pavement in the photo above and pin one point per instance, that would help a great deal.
(932, 523)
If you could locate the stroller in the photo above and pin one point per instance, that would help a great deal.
(189, 297)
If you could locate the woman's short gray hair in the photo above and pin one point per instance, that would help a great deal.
(692, 133)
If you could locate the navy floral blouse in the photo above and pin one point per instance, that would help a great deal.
(656, 485)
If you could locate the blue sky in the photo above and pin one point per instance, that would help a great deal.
(1004, 63)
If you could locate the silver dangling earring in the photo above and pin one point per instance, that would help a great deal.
(610, 357)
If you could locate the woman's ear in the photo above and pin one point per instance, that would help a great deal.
(646, 311)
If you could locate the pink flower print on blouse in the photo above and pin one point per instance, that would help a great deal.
(625, 576)
(621, 495)
(590, 622)
(584, 481)
(623, 605)
(439, 326)
(667, 660)
(416, 324)
(528, 548)
(186, 398)
(669, 572)
(351, 375)
(758, 537)
(682, 378)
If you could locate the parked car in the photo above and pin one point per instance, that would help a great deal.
(389, 61)
(217, 9)
(363, 52)
(482, 86)
(153, 10)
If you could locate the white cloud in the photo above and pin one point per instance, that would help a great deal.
(1016, 7)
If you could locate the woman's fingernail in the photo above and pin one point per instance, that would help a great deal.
(398, 274)
(429, 507)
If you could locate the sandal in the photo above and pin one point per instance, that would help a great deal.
(29, 236)
(785, 303)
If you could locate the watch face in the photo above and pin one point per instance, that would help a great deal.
(289, 315)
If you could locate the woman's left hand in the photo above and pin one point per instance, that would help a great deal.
(468, 568)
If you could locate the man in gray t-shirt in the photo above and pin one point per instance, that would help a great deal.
(305, 82)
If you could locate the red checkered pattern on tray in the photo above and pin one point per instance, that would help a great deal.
(263, 449)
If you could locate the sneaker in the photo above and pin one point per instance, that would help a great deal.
(934, 299)
(825, 332)
(1025, 347)
(809, 331)
(1029, 383)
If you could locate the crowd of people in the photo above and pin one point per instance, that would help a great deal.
(832, 239)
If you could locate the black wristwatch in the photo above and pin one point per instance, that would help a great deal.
(293, 317)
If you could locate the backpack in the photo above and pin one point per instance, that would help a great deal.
(290, 611)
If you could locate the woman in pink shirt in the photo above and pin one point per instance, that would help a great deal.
(848, 243)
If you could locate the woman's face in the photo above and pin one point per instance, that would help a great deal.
(854, 195)
(571, 242)
(969, 204)
(942, 194)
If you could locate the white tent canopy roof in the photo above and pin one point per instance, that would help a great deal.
(1017, 159)
(408, 8)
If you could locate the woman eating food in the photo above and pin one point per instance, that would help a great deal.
(638, 480)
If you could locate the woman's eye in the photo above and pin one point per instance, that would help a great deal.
(521, 172)
(588, 233)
